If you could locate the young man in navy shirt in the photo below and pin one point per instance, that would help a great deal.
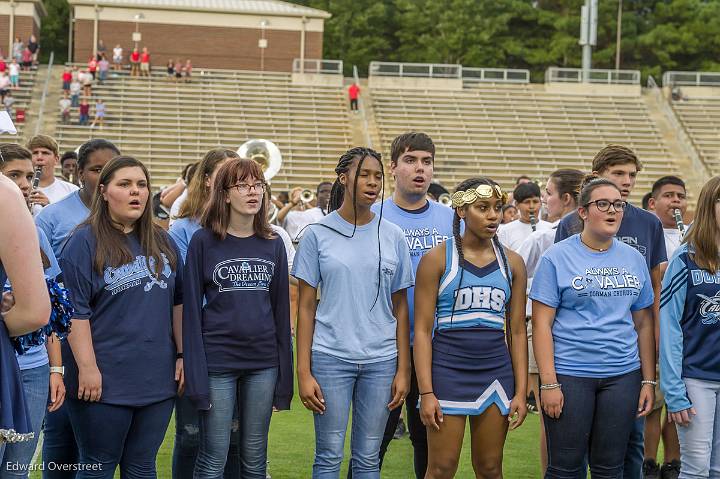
(641, 230)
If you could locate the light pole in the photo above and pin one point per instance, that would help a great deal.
(588, 34)
(11, 28)
(136, 35)
(619, 35)
(263, 43)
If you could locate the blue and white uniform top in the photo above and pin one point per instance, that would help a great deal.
(481, 298)
(689, 327)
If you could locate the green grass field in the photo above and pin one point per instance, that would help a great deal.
(292, 442)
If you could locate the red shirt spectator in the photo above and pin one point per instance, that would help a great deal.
(85, 109)
(145, 57)
(67, 77)
(135, 57)
(3, 66)
(92, 65)
(26, 56)
(354, 91)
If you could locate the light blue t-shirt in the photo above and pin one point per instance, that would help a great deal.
(37, 356)
(59, 219)
(594, 295)
(350, 324)
(182, 231)
(423, 231)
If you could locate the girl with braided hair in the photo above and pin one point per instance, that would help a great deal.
(353, 346)
(472, 359)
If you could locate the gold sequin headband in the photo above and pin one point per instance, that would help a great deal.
(482, 192)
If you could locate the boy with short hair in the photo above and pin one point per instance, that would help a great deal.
(527, 201)
(641, 230)
(46, 154)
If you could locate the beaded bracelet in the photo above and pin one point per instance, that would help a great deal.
(550, 386)
(648, 381)
(423, 394)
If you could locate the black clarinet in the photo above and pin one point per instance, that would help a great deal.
(36, 178)
(679, 221)
(533, 222)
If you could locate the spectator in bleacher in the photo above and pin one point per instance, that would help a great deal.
(4, 85)
(14, 70)
(65, 104)
(17, 49)
(187, 70)
(135, 62)
(3, 65)
(66, 80)
(171, 69)
(145, 62)
(75, 88)
(45, 153)
(92, 66)
(103, 67)
(353, 93)
(99, 114)
(87, 80)
(8, 102)
(84, 112)
(26, 59)
(75, 73)
(117, 57)
(178, 70)
(34, 48)
(68, 167)
(101, 50)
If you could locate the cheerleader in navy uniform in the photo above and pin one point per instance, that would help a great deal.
(476, 289)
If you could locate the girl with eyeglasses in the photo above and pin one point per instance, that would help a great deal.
(236, 322)
(593, 339)
(470, 343)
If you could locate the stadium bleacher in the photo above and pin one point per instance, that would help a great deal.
(701, 119)
(168, 124)
(23, 98)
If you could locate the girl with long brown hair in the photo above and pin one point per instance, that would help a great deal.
(236, 321)
(690, 338)
(123, 357)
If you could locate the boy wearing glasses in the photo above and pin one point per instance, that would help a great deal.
(641, 230)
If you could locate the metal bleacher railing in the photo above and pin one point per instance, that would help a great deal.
(575, 75)
(674, 78)
(422, 70)
(326, 67)
(495, 75)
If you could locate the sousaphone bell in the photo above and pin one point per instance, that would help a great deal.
(267, 154)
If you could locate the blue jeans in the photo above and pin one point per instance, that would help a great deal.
(251, 393)
(635, 454)
(17, 456)
(700, 441)
(597, 418)
(187, 442)
(109, 436)
(59, 445)
(367, 387)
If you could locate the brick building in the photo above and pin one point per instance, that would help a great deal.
(19, 18)
(212, 33)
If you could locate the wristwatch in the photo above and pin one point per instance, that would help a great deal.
(58, 369)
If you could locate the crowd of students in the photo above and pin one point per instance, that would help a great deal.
(452, 311)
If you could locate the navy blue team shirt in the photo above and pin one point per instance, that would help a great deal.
(130, 314)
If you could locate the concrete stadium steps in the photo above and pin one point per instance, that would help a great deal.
(23, 98)
(701, 119)
(167, 124)
(506, 131)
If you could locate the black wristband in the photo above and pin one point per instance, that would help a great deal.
(179, 356)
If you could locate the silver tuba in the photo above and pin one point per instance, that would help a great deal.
(267, 154)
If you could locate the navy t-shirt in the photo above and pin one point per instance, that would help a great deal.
(640, 229)
(245, 322)
(130, 314)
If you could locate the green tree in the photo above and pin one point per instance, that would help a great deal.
(54, 30)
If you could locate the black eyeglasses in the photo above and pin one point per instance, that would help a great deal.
(604, 205)
(246, 187)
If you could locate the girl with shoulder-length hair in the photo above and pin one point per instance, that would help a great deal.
(593, 339)
(124, 354)
(471, 361)
(353, 347)
(690, 338)
(236, 322)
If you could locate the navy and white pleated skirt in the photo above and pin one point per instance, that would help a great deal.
(472, 370)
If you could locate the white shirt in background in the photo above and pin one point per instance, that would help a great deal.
(296, 221)
(672, 240)
(512, 234)
(58, 190)
(177, 204)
